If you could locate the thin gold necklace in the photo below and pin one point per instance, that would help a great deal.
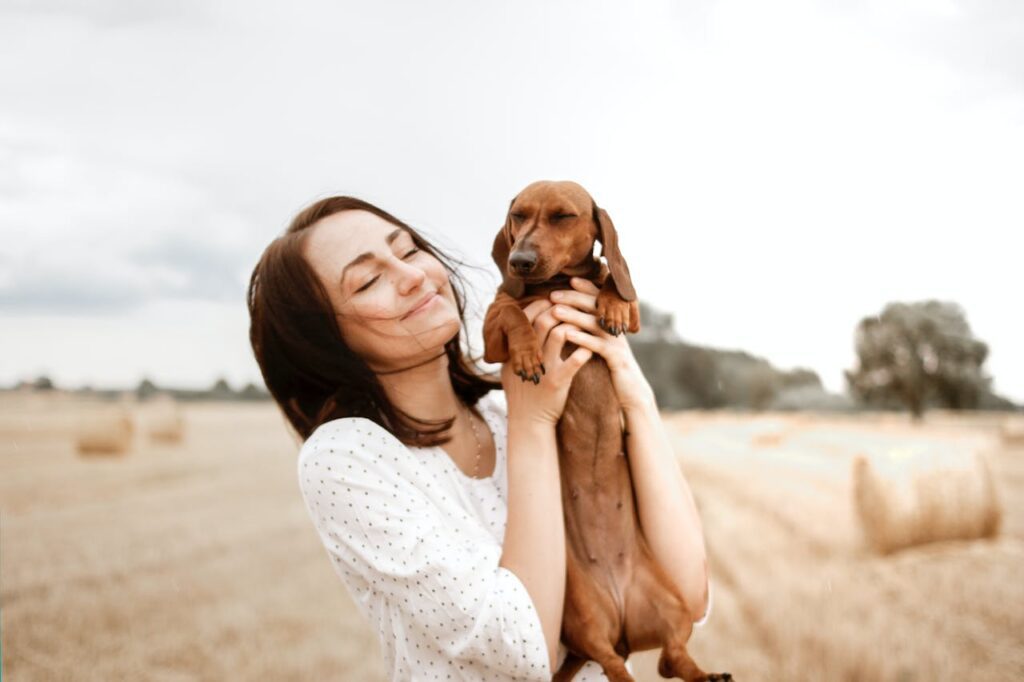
(479, 446)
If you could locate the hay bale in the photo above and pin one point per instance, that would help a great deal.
(165, 422)
(904, 498)
(771, 432)
(1012, 430)
(768, 439)
(105, 431)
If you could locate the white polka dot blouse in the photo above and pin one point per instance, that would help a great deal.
(417, 543)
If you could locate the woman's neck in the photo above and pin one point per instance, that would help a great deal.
(424, 391)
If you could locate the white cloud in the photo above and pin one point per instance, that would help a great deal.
(776, 171)
(91, 233)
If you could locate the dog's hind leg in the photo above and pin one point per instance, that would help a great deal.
(613, 664)
(570, 666)
(676, 662)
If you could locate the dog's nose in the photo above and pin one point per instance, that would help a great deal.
(523, 262)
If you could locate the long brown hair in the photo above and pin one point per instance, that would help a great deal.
(310, 371)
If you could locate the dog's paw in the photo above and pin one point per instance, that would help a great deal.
(526, 362)
(612, 312)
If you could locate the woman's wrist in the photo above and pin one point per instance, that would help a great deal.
(646, 403)
(530, 422)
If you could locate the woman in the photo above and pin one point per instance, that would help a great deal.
(438, 502)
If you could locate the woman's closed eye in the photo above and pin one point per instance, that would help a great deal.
(367, 285)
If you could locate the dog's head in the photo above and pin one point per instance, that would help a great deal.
(551, 226)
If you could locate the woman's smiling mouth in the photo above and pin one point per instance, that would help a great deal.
(422, 305)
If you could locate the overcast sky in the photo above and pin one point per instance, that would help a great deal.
(776, 171)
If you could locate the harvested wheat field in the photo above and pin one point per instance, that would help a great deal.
(192, 558)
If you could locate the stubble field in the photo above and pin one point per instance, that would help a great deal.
(197, 561)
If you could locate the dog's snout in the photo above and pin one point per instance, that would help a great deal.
(523, 262)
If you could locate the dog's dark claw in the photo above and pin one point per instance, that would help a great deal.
(536, 379)
(542, 370)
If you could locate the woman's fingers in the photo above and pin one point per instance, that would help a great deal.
(577, 299)
(534, 308)
(577, 359)
(587, 321)
(552, 349)
(588, 341)
(584, 285)
(543, 324)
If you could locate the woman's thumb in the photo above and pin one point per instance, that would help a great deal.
(578, 358)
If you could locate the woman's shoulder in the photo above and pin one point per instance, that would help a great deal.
(349, 437)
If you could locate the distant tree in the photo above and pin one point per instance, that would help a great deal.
(146, 389)
(918, 353)
(698, 372)
(761, 383)
(43, 383)
(799, 377)
(221, 389)
(253, 392)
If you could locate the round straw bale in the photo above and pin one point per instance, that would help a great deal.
(164, 420)
(772, 431)
(105, 431)
(905, 498)
(768, 438)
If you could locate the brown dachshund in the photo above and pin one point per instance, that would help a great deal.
(618, 598)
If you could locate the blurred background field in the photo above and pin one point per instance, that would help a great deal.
(194, 559)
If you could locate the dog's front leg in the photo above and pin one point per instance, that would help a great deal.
(509, 337)
(614, 314)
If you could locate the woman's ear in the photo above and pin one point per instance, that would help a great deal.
(617, 268)
(499, 252)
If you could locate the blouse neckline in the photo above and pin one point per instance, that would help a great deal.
(499, 449)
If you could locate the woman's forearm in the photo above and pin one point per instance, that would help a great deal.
(668, 513)
(534, 545)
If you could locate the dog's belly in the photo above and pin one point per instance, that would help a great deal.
(597, 493)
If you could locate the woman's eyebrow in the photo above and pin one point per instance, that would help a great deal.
(367, 255)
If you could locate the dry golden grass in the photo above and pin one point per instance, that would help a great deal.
(197, 561)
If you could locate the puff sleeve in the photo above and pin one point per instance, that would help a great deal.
(446, 598)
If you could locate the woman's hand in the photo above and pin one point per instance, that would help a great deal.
(578, 306)
(544, 401)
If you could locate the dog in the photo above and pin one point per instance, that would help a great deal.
(618, 599)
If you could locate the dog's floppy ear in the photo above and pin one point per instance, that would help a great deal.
(499, 252)
(617, 268)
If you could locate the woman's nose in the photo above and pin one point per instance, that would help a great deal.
(410, 277)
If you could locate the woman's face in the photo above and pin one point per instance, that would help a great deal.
(375, 277)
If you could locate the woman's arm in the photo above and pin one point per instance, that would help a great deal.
(534, 546)
(668, 513)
